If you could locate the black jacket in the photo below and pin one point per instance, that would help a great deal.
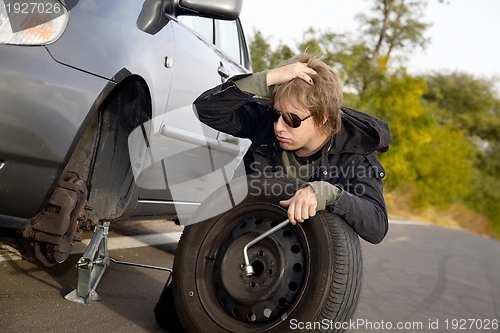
(348, 160)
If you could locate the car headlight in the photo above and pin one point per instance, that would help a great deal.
(32, 23)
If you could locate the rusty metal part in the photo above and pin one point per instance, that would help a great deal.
(57, 229)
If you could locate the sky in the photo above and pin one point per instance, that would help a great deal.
(465, 34)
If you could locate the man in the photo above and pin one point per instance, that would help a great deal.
(303, 131)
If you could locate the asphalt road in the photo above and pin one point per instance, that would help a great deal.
(430, 279)
(419, 279)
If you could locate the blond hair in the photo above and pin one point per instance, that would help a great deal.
(322, 99)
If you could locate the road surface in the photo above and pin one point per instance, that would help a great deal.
(421, 278)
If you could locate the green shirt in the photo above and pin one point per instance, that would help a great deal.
(327, 193)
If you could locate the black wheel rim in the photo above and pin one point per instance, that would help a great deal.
(280, 262)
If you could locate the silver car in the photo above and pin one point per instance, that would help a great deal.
(96, 118)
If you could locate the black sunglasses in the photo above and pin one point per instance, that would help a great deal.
(293, 121)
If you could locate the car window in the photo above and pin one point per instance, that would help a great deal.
(202, 25)
(228, 39)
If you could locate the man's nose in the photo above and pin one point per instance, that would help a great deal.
(280, 125)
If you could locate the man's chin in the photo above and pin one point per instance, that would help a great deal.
(287, 146)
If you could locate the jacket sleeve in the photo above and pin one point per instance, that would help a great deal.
(362, 204)
(231, 110)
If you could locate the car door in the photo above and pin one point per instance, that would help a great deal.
(183, 152)
(234, 60)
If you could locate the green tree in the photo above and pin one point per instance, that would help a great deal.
(394, 25)
(265, 57)
(467, 103)
(351, 57)
(471, 105)
(281, 53)
(260, 50)
(437, 159)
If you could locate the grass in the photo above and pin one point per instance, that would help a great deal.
(456, 216)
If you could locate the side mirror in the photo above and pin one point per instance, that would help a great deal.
(152, 17)
(216, 9)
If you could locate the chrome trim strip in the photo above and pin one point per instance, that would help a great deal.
(170, 202)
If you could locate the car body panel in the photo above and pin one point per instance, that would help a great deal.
(102, 38)
(44, 106)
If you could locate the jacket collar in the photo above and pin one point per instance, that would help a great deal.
(361, 133)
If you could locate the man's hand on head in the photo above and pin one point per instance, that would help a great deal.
(289, 72)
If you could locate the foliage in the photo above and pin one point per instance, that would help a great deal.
(486, 198)
(437, 159)
(469, 103)
(263, 57)
(351, 58)
(394, 25)
(259, 52)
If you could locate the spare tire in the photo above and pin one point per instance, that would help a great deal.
(307, 276)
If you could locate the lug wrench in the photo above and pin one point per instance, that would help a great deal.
(247, 267)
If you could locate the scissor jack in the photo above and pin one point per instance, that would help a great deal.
(95, 260)
(93, 263)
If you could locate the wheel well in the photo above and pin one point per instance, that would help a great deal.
(101, 156)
